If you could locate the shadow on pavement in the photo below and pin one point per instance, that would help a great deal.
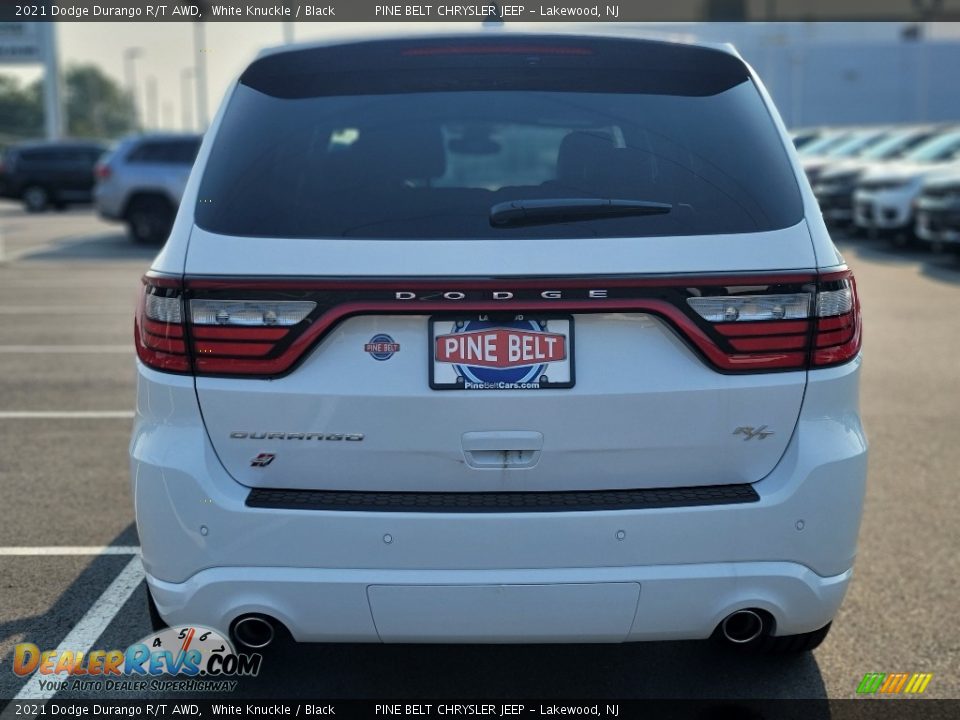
(109, 246)
(698, 670)
(48, 630)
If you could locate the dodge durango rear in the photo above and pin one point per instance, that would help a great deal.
(499, 337)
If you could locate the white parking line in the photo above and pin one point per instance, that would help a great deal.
(65, 349)
(56, 415)
(68, 550)
(66, 310)
(91, 626)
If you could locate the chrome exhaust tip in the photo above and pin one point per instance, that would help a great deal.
(742, 626)
(253, 632)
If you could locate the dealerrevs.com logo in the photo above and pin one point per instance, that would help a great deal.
(201, 658)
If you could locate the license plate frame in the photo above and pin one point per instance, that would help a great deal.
(448, 375)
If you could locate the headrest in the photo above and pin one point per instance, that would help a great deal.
(402, 152)
(580, 156)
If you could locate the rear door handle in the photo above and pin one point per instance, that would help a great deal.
(500, 449)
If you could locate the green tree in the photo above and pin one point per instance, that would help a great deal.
(95, 105)
(21, 110)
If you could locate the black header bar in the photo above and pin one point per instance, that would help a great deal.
(589, 11)
(185, 707)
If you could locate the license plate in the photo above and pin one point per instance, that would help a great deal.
(501, 352)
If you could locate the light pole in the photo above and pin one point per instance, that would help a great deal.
(200, 78)
(152, 121)
(186, 103)
(53, 109)
(130, 55)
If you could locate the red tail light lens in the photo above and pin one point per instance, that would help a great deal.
(839, 332)
(159, 327)
(102, 171)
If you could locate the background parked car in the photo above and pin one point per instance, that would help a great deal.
(883, 200)
(852, 144)
(938, 212)
(141, 182)
(49, 174)
(803, 137)
(837, 182)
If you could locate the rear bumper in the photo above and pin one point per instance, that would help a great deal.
(210, 557)
(607, 604)
(108, 202)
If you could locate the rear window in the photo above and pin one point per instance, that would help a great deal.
(897, 145)
(937, 149)
(327, 144)
(166, 152)
(82, 154)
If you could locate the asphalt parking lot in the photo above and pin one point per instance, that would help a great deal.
(68, 287)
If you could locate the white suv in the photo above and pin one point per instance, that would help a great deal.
(499, 337)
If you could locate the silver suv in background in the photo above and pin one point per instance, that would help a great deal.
(141, 182)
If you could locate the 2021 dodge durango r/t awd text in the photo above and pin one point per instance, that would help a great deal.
(499, 338)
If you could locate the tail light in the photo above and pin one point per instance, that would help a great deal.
(244, 336)
(216, 337)
(838, 335)
(263, 328)
(159, 327)
(817, 328)
(102, 171)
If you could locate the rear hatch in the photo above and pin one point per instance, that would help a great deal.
(498, 263)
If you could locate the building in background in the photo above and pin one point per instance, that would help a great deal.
(847, 73)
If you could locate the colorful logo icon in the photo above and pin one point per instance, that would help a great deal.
(381, 347)
(894, 683)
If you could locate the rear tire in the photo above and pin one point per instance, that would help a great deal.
(149, 220)
(35, 198)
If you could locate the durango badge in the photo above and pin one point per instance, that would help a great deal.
(515, 353)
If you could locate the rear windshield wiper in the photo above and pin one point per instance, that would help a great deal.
(514, 213)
